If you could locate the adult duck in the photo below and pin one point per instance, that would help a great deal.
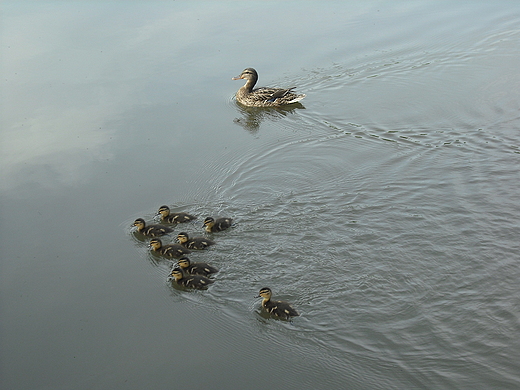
(263, 96)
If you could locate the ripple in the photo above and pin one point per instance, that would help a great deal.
(381, 210)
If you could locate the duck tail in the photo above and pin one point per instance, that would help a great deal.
(297, 99)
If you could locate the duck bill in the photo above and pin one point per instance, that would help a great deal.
(236, 78)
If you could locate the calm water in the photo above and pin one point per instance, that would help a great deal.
(386, 207)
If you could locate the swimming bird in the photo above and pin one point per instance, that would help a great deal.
(169, 217)
(217, 225)
(195, 268)
(195, 242)
(279, 309)
(190, 281)
(263, 96)
(151, 230)
(169, 250)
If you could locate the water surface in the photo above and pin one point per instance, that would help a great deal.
(385, 207)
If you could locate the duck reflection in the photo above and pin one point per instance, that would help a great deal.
(252, 117)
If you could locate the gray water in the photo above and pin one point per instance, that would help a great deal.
(385, 207)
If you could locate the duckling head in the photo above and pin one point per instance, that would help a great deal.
(176, 273)
(139, 222)
(209, 221)
(183, 262)
(183, 237)
(155, 244)
(265, 293)
(164, 211)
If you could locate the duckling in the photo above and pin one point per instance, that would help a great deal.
(151, 230)
(195, 242)
(217, 225)
(279, 309)
(264, 96)
(190, 281)
(168, 217)
(170, 250)
(195, 268)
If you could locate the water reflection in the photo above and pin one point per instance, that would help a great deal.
(264, 317)
(252, 117)
(42, 149)
(158, 260)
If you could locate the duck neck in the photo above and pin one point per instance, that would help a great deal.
(248, 87)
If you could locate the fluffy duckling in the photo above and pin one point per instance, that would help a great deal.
(217, 225)
(279, 309)
(195, 242)
(195, 268)
(190, 281)
(170, 250)
(169, 217)
(264, 96)
(151, 230)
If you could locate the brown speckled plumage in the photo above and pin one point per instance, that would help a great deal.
(263, 96)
